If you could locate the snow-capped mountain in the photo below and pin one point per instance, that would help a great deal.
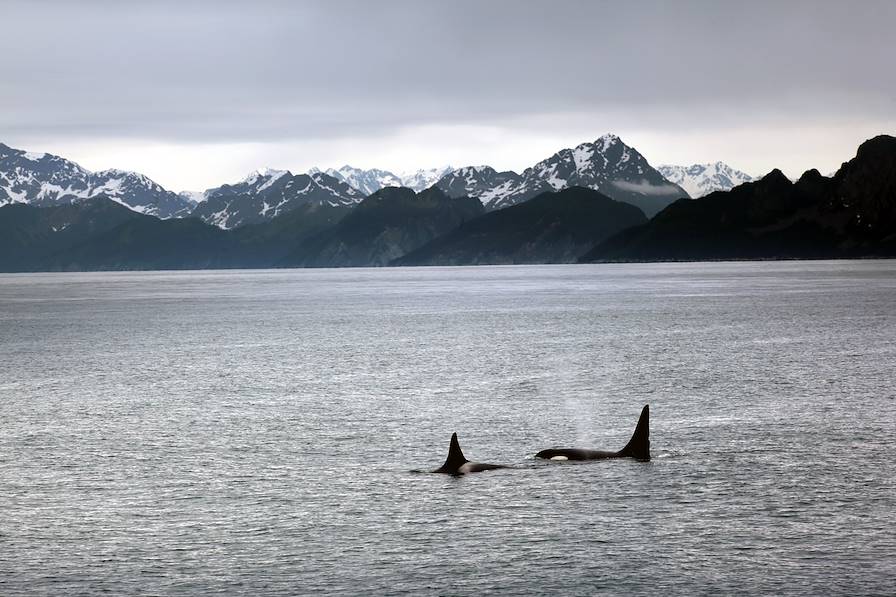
(702, 179)
(419, 180)
(607, 165)
(266, 193)
(487, 184)
(193, 197)
(45, 180)
(371, 181)
(365, 181)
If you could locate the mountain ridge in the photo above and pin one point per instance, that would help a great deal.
(385, 226)
(369, 181)
(849, 215)
(316, 220)
(702, 179)
(554, 227)
(45, 179)
(852, 214)
(265, 194)
(606, 165)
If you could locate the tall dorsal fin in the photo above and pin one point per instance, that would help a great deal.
(455, 456)
(639, 445)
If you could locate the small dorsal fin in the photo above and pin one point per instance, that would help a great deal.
(455, 457)
(639, 445)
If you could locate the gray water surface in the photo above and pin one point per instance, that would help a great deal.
(255, 431)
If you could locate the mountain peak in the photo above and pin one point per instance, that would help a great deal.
(775, 180)
(879, 145)
(606, 164)
(702, 179)
(424, 177)
(364, 181)
(124, 174)
(599, 146)
(267, 193)
(259, 173)
(810, 175)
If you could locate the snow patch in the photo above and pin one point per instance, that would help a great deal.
(606, 141)
(550, 176)
(582, 156)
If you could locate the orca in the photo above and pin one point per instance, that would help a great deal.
(638, 446)
(456, 464)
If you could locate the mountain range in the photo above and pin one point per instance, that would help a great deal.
(385, 226)
(58, 216)
(266, 194)
(46, 180)
(852, 214)
(371, 181)
(554, 227)
(389, 226)
(607, 164)
(100, 234)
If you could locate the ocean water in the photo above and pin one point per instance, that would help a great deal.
(254, 432)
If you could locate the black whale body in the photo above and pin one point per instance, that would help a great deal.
(457, 464)
(638, 446)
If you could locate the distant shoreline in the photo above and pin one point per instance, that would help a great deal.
(398, 267)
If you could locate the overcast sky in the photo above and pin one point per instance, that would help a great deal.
(194, 94)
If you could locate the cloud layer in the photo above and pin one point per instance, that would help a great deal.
(313, 76)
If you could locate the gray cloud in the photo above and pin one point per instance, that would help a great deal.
(227, 71)
(198, 92)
